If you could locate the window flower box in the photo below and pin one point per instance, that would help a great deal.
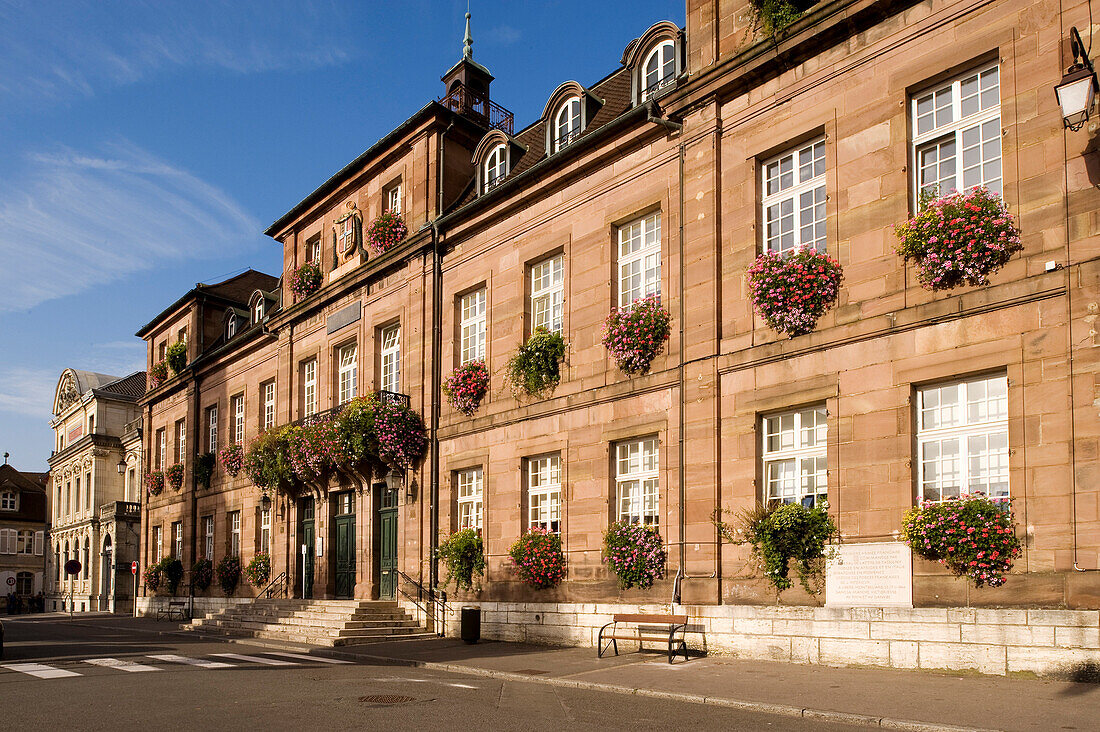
(386, 232)
(792, 291)
(154, 483)
(534, 370)
(232, 457)
(537, 558)
(305, 280)
(173, 476)
(635, 334)
(635, 553)
(158, 374)
(467, 386)
(176, 356)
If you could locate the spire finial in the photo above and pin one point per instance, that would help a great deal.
(468, 41)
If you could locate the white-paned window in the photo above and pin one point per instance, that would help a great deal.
(640, 258)
(76, 495)
(794, 198)
(544, 492)
(348, 372)
(208, 533)
(162, 449)
(313, 251)
(7, 541)
(238, 419)
(265, 529)
(548, 294)
(269, 404)
(177, 540)
(496, 167)
(957, 134)
(567, 123)
(25, 543)
(181, 441)
(230, 327)
(470, 492)
(88, 491)
(390, 358)
(393, 199)
(794, 455)
(258, 310)
(234, 533)
(962, 439)
(39, 542)
(472, 324)
(659, 69)
(156, 544)
(212, 428)
(637, 481)
(9, 501)
(309, 387)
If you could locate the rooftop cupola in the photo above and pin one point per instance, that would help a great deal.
(467, 89)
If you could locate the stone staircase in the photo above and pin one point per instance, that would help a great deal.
(313, 622)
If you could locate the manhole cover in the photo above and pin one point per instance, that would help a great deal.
(386, 699)
(531, 671)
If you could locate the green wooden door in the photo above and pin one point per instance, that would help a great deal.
(306, 537)
(387, 554)
(344, 531)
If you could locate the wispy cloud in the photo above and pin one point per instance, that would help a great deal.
(54, 51)
(74, 220)
(28, 392)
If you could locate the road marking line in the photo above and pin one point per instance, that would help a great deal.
(120, 664)
(463, 686)
(303, 657)
(255, 659)
(39, 670)
(201, 662)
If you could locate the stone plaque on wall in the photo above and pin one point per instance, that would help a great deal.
(878, 574)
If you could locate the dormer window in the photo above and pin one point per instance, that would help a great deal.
(257, 310)
(8, 501)
(496, 167)
(659, 69)
(567, 123)
(231, 326)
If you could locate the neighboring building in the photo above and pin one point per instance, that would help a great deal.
(705, 147)
(95, 495)
(22, 532)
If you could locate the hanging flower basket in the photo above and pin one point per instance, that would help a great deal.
(154, 483)
(202, 574)
(158, 374)
(173, 476)
(305, 280)
(152, 576)
(402, 439)
(229, 574)
(635, 334)
(176, 356)
(537, 558)
(635, 553)
(463, 554)
(232, 457)
(974, 537)
(258, 570)
(959, 239)
(314, 451)
(791, 291)
(534, 370)
(386, 232)
(467, 386)
(204, 469)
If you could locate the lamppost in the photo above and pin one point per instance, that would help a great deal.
(1076, 91)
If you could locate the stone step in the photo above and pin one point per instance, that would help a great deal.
(320, 616)
(326, 628)
(312, 639)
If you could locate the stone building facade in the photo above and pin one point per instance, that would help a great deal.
(22, 533)
(706, 146)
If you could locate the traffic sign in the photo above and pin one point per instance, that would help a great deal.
(72, 567)
(133, 567)
(11, 581)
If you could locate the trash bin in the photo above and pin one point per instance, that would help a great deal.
(471, 624)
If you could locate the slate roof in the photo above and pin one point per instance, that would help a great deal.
(132, 386)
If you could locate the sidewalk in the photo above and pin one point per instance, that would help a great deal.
(915, 700)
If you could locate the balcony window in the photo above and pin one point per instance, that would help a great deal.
(567, 123)
(659, 69)
(495, 168)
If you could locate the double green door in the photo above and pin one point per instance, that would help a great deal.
(387, 545)
(344, 542)
(307, 539)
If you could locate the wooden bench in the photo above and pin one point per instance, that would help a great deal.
(175, 609)
(647, 628)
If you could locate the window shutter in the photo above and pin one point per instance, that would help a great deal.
(7, 541)
(38, 536)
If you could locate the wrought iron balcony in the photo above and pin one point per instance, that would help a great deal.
(657, 86)
(385, 397)
(563, 140)
(480, 108)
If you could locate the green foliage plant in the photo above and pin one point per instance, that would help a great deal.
(172, 571)
(176, 356)
(535, 368)
(267, 460)
(773, 16)
(202, 574)
(463, 553)
(204, 468)
(229, 574)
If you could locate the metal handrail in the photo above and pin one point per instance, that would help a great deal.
(463, 99)
(279, 583)
(433, 601)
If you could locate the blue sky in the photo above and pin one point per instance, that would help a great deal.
(145, 146)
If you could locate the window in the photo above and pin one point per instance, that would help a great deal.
(156, 545)
(391, 358)
(268, 391)
(231, 326)
(68, 505)
(957, 129)
(234, 521)
(544, 492)
(87, 561)
(640, 259)
(177, 540)
(238, 419)
(548, 294)
(567, 123)
(794, 199)
(212, 428)
(24, 583)
(88, 491)
(637, 479)
(348, 372)
(392, 198)
(496, 167)
(472, 323)
(795, 468)
(91, 424)
(161, 455)
(7, 541)
(309, 387)
(470, 492)
(9, 501)
(257, 310)
(659, 69)
(265, 529)
(313, 250)
(962, 439)
(131, 485)
(181, 335)
(208, 533)
(25, 543)
(162, 352)
(181, 440)
(76, 495)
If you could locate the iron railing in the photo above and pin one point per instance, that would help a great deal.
(569, 137)
(426, 600)
(274, 588)
(385, 397)
(657, 86)
(468, 102)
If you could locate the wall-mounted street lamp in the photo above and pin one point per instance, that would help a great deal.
(121, 467)
(1076, 91)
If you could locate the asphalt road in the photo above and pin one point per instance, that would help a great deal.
(61, 674)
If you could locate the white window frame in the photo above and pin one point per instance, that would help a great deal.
(177, 540)
(212, 427)
(181, 440)
(544, 505)
(472, 326)
(309, 387)
(258, 310)
(234, 533)
(313, 251)
(665, 55)
(567, 122)
(208, 533)
(265, 529)
(957, 131)
(393, 199)
(389, 358)
(347, 374)
(639, 244)
(793, 194)
(269, 404)
(162, 448)
(548, 294)
(638, 481)
(470, 492)
(979, 414)
(9, 501)
(495, 168)
(238, 419)
(230, 328)
(24, 542)
(794, 456)
(156, 544)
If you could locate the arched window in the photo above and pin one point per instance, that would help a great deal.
(567, 123)
(231, 326)
(57, 560)
(87, 557)
(257, 310)
(659, 69)
(496, 167)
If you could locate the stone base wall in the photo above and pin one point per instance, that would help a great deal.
(148, 606)
(1062, 643)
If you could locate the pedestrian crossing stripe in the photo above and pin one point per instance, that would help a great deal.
(121, 665)
(254, 659)
(200, 662)
(43, 671)
(304, 657)
(39, 670)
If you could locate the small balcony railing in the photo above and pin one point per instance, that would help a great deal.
(468, 102)
(569, 137)
(120, 509)
(657, 86)
(386, 397)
